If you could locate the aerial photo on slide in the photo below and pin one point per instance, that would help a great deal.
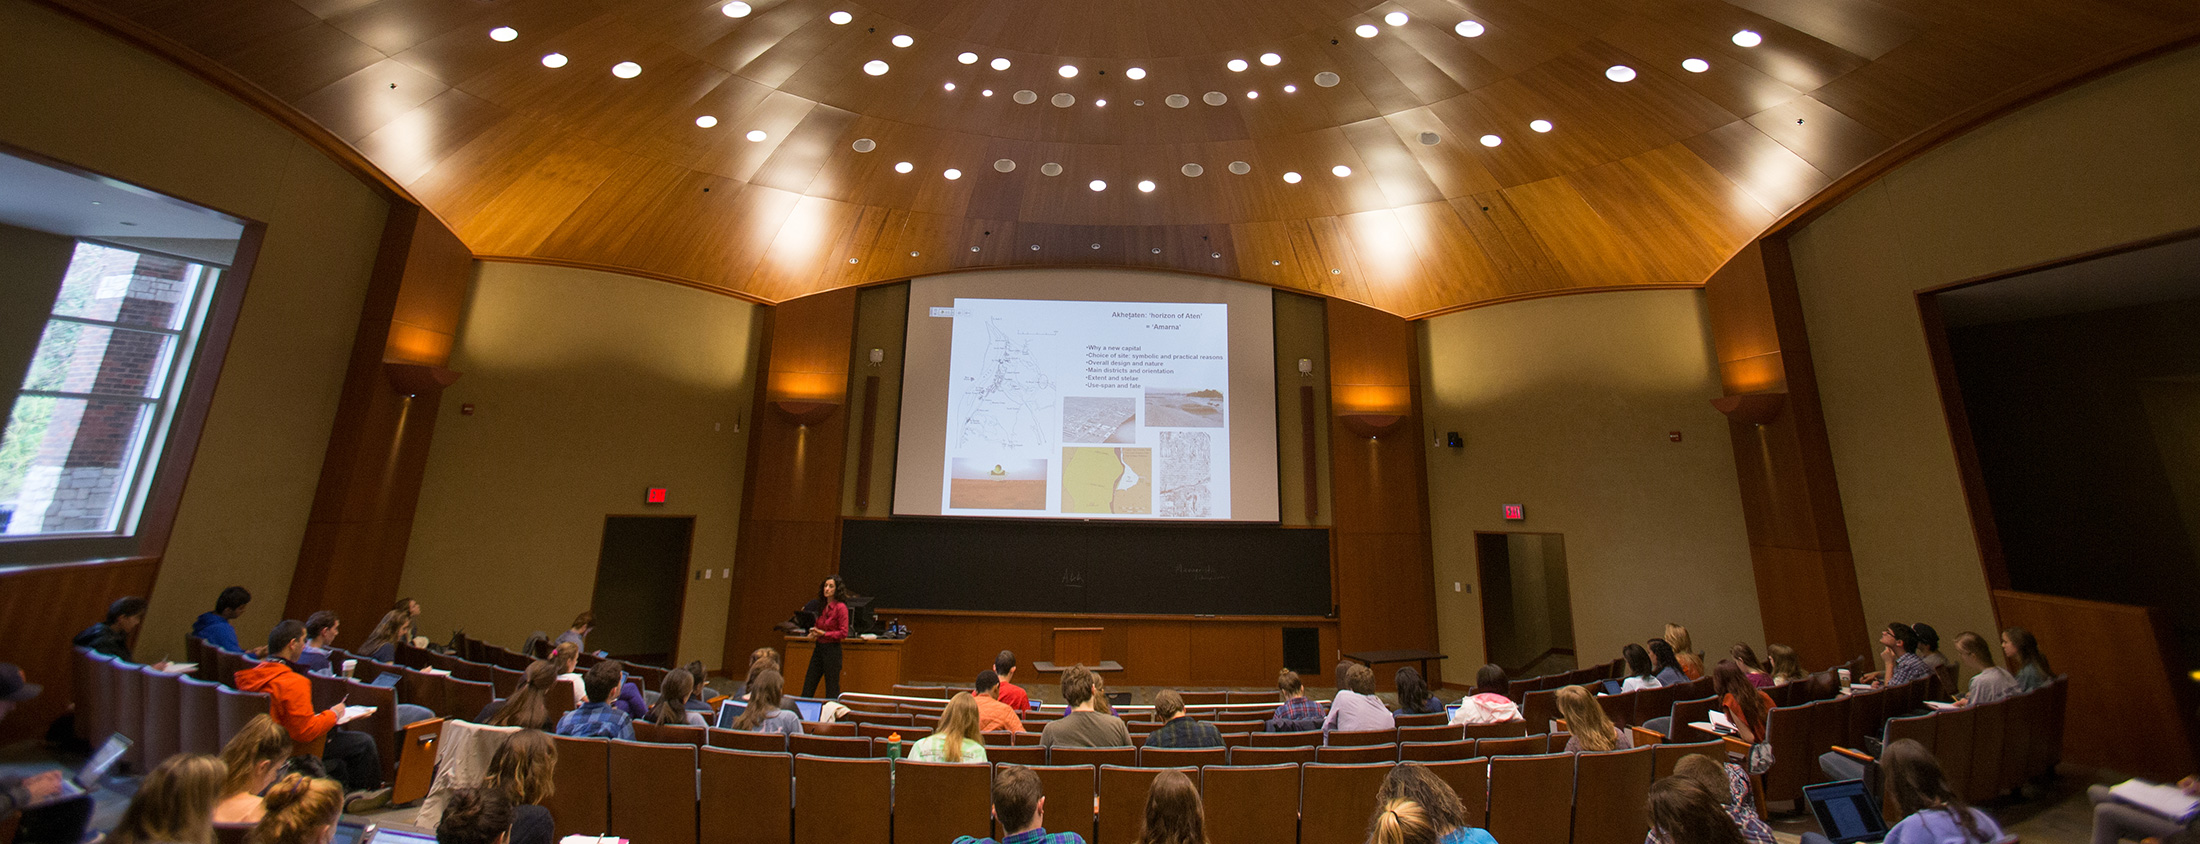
(1176, 408)
(1091, 419)
(977, 484)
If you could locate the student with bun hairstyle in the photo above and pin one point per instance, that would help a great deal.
(254, 759)
(1401, 822)
(475, 816)
(529, 704)
(1413, 782)
(175, 803)
(300, 810)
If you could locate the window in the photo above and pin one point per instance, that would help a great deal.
(94, 408)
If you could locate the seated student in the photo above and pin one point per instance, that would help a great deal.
(567, 657)
(1173, 811)
(994, 713)
(1898, 659)
(112, 637)
(254, 758)
(1991, 683)
(1683, 811)
(1413, 782)
(1684, 651)
(1745, 705)
(2115, 820)
(1487, 704)
(1356, 707)
(583, 624)
(1020, 805)
(215, 627)
(760, 660)
(671, 708)
(1004, 665)
(763, 714)
(1931, 812)
(300, 810)
(529, 704)
(2023, 650)
(521, 768)
(1641, 674)
(1401, 822)
(381, 644)
(1746, 657)
(1928, 646)
(174, 804)
(1414, 697)
(1178, 728)
(1083, 726)
(320, 637)
(1669, 668)
(598, 718)
(1786, 668)
(1591, 730)
(956, 739)
(1297, 712)
(351, 757)
(475, 816)
(58, 820)
(1727, 783)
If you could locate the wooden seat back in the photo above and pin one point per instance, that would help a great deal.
(1300, 738)
(1611, 792)
(1336, 800)
(1125, 756)
(580, 802)
(198, 716)
(1334, 754)
(1250, 804)
(1531, 799)
(1258, 755)
(1468, 778)
(839, 800)
(1071, 792)
(1529, 745)
(937, 801)
(852, 747)
(1123, 790)
(653, 792)
(1182, 757)
(160, 714)
(747, 798)
(1436, 751)
(233, 708)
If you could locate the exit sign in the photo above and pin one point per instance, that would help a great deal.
(1515, 513)
(655, 495)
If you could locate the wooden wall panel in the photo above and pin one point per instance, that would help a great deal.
(2125, 713)
(951, 647)
(43, 608)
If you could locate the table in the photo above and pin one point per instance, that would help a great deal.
(1375, 658)
(866, 665)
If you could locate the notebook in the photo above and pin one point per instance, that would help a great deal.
(94, 770)
(1847, 812)
(2169, 801)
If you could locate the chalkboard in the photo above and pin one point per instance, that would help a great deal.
(1087, 567)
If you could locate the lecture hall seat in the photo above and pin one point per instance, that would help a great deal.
(1250, 804)
(653, 792)
(1182, 757)
(1436, 751)
(1335, 801)
(1348, 754)
(840, 801)
(198, 716)
(1470, 779)
(580, 803)
(160, 717)
(1610, 793)
(936, 801)
(1071, 793)
(1123, 790)
(747, 798)
(1302, 738)
(1126, 756)
(1531, 798)
(1255, 755)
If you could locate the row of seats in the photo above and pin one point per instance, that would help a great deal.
(1275, 747)
(1990, 749)
(1191, 698)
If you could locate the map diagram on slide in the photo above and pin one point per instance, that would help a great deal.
(1185, 472)
(1116, 481)
(1010, 404)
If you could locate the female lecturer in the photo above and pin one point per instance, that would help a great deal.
(832, 626)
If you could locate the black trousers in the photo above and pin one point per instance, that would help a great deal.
(58, 823)
(824, 663)
(352, 759)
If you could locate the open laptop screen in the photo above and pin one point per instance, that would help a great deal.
(811, 710)
(1846, 811)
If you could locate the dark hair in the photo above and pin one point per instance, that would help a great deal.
(1413, 692)
(232, 598)
(1747, 656)
(587, 618)
(764, 697)
(124, 608)
(2028, 649)
(1173, 811)
(319, 622)
(602, 679)
(1287, 682)
(1415, 782)
(1727, 679)
(1904, 634)
(987, 681)
(1918, 784)
(389, 631)
(1927, 637)
(702, 678)
(1491, 679)
(1077, 685)
(1004, 662)
(285, 630)
(1661, 652)
(1638, 661)
(1685, 811)
(526, 705)
(1016, 795)
(522, 767)
(840, 589)
(672, 695)
(403, 604)
(1167, 704)
(474, 816)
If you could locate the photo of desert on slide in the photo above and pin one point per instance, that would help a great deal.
(1177, 408)
(978, 484)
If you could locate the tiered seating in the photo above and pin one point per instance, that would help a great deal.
(1990, 749)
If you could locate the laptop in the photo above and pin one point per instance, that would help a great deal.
(729, 711)
(94, 770)
(385, 681)
(812, 710)
(1847, 812)
(1612, 687)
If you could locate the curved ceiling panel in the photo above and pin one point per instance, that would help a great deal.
(1414, 168)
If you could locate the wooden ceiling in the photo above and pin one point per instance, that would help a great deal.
(1654, 181)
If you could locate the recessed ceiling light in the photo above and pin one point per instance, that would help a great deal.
(1064, 100)
(840, 18)
(855, 260)
(1192, 169)
(626, 70)
(1214, 254)
(986, 93)
(1270, 59)
(554, 60)
(1252, 95)
(903, 167)
(503, 33)
(1429, 139)
(1156, 250)
(1096, 246)
(1290, 89)
(1540, 125)
(1067, 71)
(756, 136)
(1026, 97)
(1135, 73)
(1275, 263)
(875, 67)
(950, 86)
(1051, 169)
(1000, 64)
(1695, 65)
(903, 41)
(1237, 65)
(1340, 171)
(1138, 102)
(973, 249)
(736, 9)
(1178, 101)
(1004, 164)
(1240, 168)
(1035, 247)
(952, 174)
(1491, 140)
(1327, 79)
(914, 253)
(1099, 103)
(864, 145)
(1097, 185)
(1748, 38)
(1470, 29)
(1620, 73)
(1214, 98)
(1365, 30)
(1395, 19)
(706, 121)
(1145, 186)
(967, 58)
(1291, 177)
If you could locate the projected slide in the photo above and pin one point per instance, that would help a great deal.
(1111, 410)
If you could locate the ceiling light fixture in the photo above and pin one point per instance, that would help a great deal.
(1214, 98)
(1540, 125)
(756, 136)
(503, 33)
(1099, 103)
(864, 145)
(950, 86)
(986, 93)
(1291, 177)
(1365, 30)
(875, 67)
(1327, 79)
(1340, 171)
(1270, 59)
(952, 174)
(967, 58)
(1178, 101)
(1067, 71)
(1051, 169)
(1748, 38)
(840, 18)
(1620, 73)
(1025, 97)
(903, 167)
(1252, 95)
(1064, 100)
(1097, 185)
(903, 41)
(736, 9)
(1135, 73)
(1695, 65)
(1396, 19)
(1004, 165)
(1000, 64)
(626, 70)
(1192, 170)
(554, 60)
(1240, 168)
(1470, 29)
(1145, 186)
(706, 121)
(1491, 140)
(1290, 89)
(1237, 65)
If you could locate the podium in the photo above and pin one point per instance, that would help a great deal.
(872, 666)
(1077, 646)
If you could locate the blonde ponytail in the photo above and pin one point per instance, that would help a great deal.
(298, 807)
(1401, 822)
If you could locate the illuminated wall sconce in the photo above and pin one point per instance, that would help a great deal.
(1370, 425)
(805, 413)
(412, 379)
(878, 356)
(1306, 368)
(1752, 408)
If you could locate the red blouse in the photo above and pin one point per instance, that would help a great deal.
(832, 624)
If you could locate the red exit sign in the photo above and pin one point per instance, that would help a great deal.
(1515, 513)
(655, 495)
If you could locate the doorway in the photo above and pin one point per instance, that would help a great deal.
(641, 587)
(1527, 610)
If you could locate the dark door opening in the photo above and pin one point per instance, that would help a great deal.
(1527, 611)
(641, 586)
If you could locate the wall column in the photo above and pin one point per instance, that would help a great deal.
(354, 547)
(1384, 575)
(1791, 504)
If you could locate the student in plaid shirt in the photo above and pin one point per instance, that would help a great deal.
(1297, 712)
(598, 718)
(1020, 803)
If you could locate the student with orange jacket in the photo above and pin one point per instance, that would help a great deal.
(350, 757)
